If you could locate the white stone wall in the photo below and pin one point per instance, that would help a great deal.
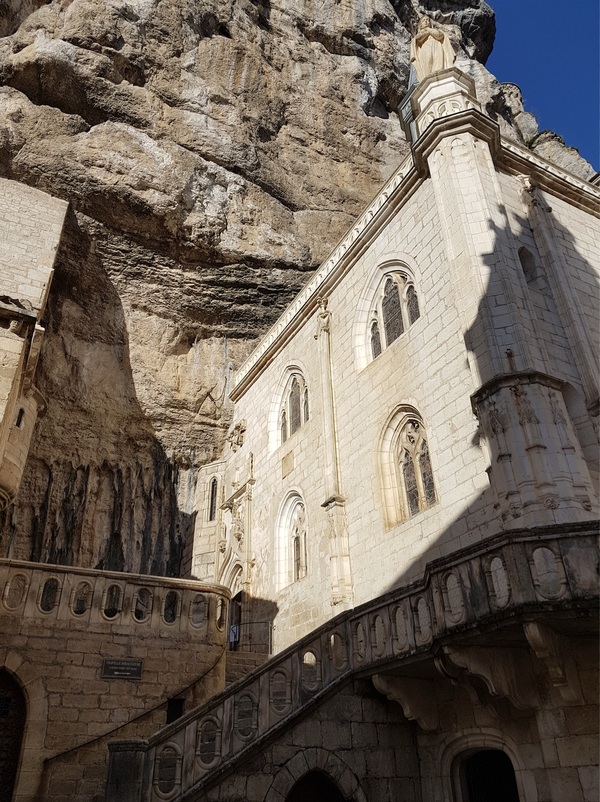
(458, 237)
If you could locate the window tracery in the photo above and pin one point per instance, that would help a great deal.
(292, 541)
(407, 475)
(295, 407)
(417, 475)
(395, 309)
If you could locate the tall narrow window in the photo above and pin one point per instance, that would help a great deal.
(410, 482)
(427, 475)
(299, 542)
(292, 563)
(295, 414)
(412, 304)
(375, 339)
(392, 312)
(527, 264)
(294, 411)
(212, 502)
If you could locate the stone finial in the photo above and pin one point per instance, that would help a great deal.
(430, 50)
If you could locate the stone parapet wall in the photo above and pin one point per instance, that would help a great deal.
(99, 654)
(143, 603)
(492, 584)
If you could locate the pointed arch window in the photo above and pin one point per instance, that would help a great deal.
(396, 305)
(294, 410)
(292, 562)
(417, 476)
(407, 475)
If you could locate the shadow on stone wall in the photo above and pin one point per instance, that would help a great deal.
(99, 489)
(495, 509)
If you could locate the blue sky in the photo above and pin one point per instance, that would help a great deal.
(550, 49)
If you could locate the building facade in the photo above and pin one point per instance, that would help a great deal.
(404, 517)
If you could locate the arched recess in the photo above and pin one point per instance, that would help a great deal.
(31, 765)
(316, 786)
(407, 481)
(487, 775)
(291, 558)
(277, 403)
(403, 266)
(455, 749)
(13, 715)
(330, 766)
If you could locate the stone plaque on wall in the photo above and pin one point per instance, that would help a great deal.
(122, 669)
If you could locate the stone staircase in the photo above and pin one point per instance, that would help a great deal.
(506, 577)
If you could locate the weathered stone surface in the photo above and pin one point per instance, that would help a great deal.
(212, 152)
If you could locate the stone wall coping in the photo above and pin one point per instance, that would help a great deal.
(119, 576)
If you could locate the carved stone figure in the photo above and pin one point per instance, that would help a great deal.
(430, 50)
(323, 318)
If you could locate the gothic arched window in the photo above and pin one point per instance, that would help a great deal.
(294, 409)
(291, 542)
(407, 476)
(417, 476)
(396, 305)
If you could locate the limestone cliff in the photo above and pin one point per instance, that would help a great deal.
(212, 151)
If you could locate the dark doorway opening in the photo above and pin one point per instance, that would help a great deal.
(235, 622)
(489, 776)
(12, 725)
(315, 787)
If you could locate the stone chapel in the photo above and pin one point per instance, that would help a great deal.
(392, 590)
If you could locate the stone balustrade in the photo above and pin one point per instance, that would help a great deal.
(496, 580)
(63, 593)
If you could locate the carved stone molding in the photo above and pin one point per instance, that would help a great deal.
(415, 696)
(506, 672)
(555, 651)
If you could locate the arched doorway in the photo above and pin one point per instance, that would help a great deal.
(315, 787)
(12, 725)
(488, 776)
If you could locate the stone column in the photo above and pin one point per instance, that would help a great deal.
(334, 504)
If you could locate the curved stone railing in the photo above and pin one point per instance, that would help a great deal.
(64, 593)
(499, 578)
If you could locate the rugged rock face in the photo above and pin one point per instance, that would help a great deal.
(213, 151)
